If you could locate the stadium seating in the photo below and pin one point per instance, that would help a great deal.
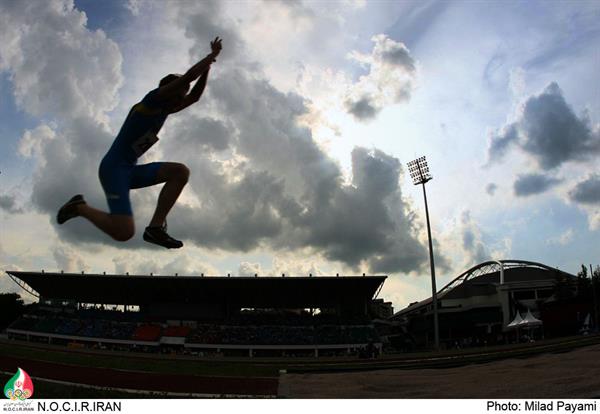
(46, 325)
(147, 333)
(247, 328)
(178, 331)
(24, 323)
(68, 327)
(281, 335)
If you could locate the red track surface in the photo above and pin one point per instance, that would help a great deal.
(147, 381)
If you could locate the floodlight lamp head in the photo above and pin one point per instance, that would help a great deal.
(419, 171)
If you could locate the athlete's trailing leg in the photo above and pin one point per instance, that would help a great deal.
(175, 176)
(120, 227)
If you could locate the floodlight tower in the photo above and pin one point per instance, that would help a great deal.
(419, 172)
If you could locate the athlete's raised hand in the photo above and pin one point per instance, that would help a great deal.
(216, 46)
(200, 68)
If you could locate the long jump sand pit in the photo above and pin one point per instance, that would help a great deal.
(573, 374)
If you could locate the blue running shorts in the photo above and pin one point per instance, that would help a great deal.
(118, 177)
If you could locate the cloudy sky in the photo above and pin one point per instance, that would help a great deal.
(298, 148)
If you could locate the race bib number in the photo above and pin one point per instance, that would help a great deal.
(143, 143)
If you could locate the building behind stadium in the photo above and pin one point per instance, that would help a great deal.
(481, 306)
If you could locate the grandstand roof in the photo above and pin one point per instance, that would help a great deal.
(250, 292)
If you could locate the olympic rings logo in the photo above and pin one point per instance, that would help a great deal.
(17, 394)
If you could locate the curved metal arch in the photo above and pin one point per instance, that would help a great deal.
(488, 266)
(23, 286)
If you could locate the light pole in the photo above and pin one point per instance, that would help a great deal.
(419, 172)
(595, 299)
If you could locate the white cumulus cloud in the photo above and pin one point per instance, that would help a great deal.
(390, 80)
(58, 66)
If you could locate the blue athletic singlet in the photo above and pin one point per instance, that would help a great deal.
(118, 170)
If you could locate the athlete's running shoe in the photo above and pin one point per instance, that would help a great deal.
(159, 235)
(69, 209)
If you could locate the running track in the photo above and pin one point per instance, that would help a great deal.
(143, 381)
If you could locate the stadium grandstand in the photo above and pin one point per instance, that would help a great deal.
(488, 303)
(198, 315)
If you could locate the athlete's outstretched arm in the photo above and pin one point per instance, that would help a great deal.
(193, 73)
(198, 88)
(195, 93)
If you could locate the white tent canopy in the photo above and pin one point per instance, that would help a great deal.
(516, 322)
(530, 321)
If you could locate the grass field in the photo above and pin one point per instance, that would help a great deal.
(140, 362)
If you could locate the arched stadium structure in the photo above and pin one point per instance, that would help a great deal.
(478, 305)
(226, 315)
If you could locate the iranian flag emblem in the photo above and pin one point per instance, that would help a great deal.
(19, 387)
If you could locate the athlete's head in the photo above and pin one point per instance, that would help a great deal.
(168, 79)
(180, 93)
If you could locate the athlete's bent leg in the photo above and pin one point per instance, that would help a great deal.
(118, 226)
(175, 176)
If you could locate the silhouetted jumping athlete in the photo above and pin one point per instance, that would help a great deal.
(119, 171)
